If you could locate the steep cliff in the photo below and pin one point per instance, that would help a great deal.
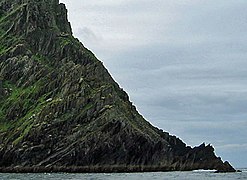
(60, 110)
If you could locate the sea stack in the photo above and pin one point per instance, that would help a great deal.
(61, 111)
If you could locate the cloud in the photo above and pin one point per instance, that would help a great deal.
(230, 147)
(87, 34)
(182, 62)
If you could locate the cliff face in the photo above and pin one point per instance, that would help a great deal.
(60, 110)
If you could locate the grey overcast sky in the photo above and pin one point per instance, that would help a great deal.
(182, 62)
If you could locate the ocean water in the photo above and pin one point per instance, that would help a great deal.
(192, 175)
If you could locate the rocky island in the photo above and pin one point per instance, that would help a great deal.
(61, 111)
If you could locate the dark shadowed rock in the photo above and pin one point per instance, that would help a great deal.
(61, 111)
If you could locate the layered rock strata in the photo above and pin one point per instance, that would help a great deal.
(60, 110)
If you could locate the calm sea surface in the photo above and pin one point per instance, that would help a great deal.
(201, 175)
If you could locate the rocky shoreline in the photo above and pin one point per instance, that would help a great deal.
(95, 169)
(61, 111)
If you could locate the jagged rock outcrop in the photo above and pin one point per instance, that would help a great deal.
(60, 110)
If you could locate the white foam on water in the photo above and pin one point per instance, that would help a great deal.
(205, 170)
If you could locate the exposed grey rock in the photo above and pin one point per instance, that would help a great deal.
(62, 111)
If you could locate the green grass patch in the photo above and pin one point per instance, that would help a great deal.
(22, 127)
(24, 98)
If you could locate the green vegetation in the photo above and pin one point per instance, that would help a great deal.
(63, 41)
(42, 60)
(60, 108)
(13, 14)
(8, 42)
(23, 101)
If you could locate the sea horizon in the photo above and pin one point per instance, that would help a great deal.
(195, 174)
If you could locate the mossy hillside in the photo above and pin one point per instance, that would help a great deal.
(25, 98)
(69, 46)
(8, 42)
(60, 107)
(24, 103)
